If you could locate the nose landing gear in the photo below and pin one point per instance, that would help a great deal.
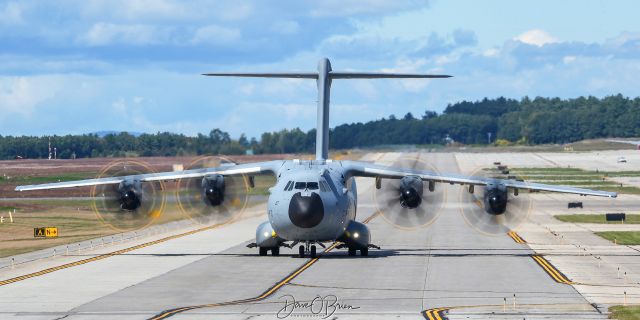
(307, 248)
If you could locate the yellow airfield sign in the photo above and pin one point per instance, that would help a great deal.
(45, 232)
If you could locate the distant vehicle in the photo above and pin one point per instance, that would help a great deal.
(574, 205)
(18, 158)
(622, 160)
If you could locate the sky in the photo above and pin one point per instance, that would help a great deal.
(81, 66)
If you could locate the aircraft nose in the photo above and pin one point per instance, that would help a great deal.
(306, 212)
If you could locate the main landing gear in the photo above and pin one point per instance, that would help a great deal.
(274, 251)
(363, 252)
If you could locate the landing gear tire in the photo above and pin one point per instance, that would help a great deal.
(301, 251)
(313, 252)
(352, 252)
(275, 251)
(364, 252)
(263, 251)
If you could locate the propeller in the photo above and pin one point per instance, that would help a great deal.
(484, 209)
(409, 203)
(213, 199)
(131, 204)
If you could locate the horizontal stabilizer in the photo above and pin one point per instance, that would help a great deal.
(331, 75)
(379, 75)
(300, 75)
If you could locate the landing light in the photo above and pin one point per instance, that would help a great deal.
(356, 235)
(266, 234)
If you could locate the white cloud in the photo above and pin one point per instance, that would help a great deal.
(213, 34)
(11, 14)
(165, 10)
(536, 37)
(21, 95)
(101, 34)
(405, 65)
(354, 7)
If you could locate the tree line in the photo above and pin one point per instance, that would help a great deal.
(525, 121)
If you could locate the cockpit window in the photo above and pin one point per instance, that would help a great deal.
(306, 185)
(286, 188)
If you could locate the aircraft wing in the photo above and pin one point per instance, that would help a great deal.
(363, 169)
(241, 169)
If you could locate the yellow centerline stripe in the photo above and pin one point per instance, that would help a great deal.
(551, 270)
(560, 274)
(264, 295)
(107, 255)
(546, 269)
(516, 237)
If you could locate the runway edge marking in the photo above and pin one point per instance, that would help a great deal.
(551, 270)
(435, 314)
(267, 293)
(106, 255)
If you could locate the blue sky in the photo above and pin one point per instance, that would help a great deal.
(78, 66)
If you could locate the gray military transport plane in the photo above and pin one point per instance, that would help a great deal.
(314, 201)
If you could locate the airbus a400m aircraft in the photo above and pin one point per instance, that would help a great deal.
(314, 201)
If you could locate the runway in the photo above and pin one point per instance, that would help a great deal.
(447, 270)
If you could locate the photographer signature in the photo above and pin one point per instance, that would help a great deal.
(319, 306)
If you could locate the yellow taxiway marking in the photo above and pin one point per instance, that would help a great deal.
(551, 270)
(516, 237)
(107, 255)
(264, 295)
(168, 313)
(435, 314)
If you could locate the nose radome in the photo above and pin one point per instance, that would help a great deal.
(306, 211)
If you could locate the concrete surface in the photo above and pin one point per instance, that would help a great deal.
(448, 264)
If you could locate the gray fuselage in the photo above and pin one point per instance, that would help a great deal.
(311, 200)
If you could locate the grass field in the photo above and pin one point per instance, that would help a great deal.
(37, 179)
(621, 237)
(595, 218)
(625, 312)
(76, 221)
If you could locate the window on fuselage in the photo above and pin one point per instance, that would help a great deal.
(312, 185)
(301, 185)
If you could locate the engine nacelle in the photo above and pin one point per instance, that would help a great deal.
(356, 235)
(130, 195)
(411, 191)
(495, 198)
(266, 237)
(213, 189)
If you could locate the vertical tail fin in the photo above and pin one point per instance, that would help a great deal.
(323, 77)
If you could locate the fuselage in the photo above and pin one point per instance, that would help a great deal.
(311, 200)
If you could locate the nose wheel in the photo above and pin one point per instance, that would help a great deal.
(311, 249)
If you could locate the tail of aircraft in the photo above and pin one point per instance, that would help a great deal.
(323, 77)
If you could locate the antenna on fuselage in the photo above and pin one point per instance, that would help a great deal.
(323, 77)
